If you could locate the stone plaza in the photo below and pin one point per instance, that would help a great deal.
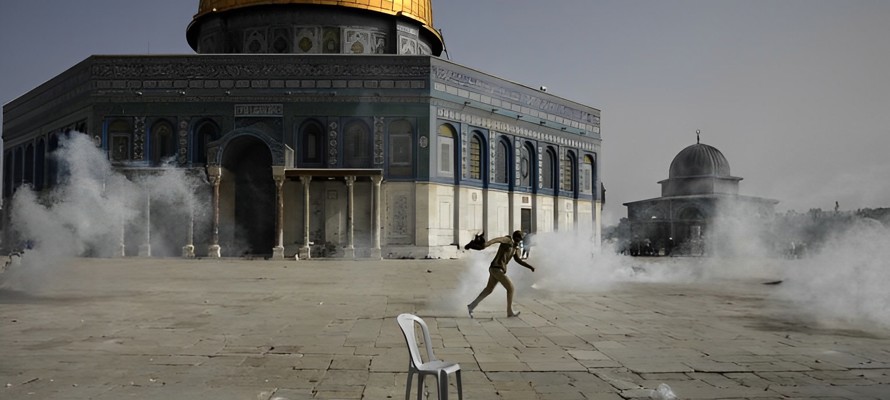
(255, 329)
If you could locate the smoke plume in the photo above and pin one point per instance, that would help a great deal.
(91, 211)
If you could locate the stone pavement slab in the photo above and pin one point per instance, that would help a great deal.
(291, 330)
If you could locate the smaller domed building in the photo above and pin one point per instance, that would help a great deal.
(699, 190)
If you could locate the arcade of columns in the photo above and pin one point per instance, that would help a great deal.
(280, 176)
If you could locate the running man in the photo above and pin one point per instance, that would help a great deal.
(509, 247)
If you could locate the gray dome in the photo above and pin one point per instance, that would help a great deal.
(699, 160)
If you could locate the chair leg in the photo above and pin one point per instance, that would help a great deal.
(460, 390)
(442, 382)
(408, 386)
(420, 386)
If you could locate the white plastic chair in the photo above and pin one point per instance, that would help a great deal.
(440, 369)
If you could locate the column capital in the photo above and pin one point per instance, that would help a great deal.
(214, 171)
(376, 179)
(305, 179)
(350, 180)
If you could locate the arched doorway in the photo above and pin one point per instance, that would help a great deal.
(689, 227)
(249, 196)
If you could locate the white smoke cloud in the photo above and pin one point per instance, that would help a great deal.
(88, 212)
(846, 280)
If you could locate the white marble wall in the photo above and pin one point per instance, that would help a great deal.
(421, 220)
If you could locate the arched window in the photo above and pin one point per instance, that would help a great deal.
(586, 178)
(356, 145)
(446, 136)
(204, 133)
(255, 41)
(476, 158)
(163, 142)
(119, 132)
(548, 169)
(311, 144)
(401, 154)
(568, 173)
(280, 40)
(527, 166)
(504, 162)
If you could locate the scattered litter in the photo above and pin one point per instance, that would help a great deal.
(663, 392)
(30, 381)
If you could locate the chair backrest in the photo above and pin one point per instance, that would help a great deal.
(406, 323)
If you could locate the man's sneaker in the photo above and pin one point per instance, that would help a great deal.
(470, 311)
(516, 314)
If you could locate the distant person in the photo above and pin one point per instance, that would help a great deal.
(508, 247)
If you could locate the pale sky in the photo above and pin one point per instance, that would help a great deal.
(795, 93)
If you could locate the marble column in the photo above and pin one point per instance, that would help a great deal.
(188, 251)
(145, 248)
(278, 250)
(304, 251)
(375, 208)
(349, 252)
(122, 247)
(215, 175)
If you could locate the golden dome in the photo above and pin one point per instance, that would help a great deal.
(418, 10)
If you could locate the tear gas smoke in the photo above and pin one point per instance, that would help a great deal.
(845, 281)
(89, 210)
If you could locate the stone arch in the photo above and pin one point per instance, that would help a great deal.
(477, 157)
(203, 133)
(357, 144)
(689, 226)
(162, 139)
(247, 193)
(504, 161)
(447, 150)
(400, 160)
(280, 152)
(311, 142)
(528, 167)
(587, 176)
(570, 173)
(690, 213)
